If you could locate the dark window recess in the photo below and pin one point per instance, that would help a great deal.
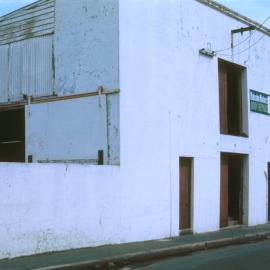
(12, 136)
(185, 193)
(232, 100)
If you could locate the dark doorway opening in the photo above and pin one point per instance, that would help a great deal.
(231, 191)
(185, 165)
(268, 214)
(12, 135)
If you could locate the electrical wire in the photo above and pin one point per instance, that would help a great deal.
(249, 42)
(255, 43)
(251, 33)
(236, 45)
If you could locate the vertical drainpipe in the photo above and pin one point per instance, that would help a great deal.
(53, 70)
(107, 128)
(170, 161)
(102, 113)
(27, 115)
(53, 54)
(9, 76)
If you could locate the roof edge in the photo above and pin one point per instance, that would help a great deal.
(233, 14)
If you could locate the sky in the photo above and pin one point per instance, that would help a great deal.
(7, 6)
(257, 10)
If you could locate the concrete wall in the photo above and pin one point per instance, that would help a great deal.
(74, 130)
(86, 45)
(54, 207)
(170, 108)
(49, 207)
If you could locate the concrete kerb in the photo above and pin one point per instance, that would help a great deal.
(145, 256)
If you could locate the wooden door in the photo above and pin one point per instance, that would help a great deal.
(224, 191)
(185, 193)
(223, 97)
(241, 185)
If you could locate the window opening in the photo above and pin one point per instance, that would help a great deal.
(12, 135)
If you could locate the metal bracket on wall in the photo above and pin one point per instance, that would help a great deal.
(100, 91)
(240, 30)
(207, 52)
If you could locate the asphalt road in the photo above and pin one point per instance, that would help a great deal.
(254, 256)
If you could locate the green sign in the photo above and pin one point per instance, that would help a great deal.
(258, 102)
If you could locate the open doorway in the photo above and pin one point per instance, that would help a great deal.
(12, 135)
(232, 197)
(268, 210)
(185, 215)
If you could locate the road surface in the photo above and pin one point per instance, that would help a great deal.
(253, 256)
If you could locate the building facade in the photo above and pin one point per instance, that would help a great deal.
(129, 121)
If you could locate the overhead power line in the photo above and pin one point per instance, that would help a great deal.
(238, 44)
(252, 45)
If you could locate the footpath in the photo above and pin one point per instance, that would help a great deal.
(117, 256)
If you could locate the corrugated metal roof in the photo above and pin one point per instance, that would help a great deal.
(34, 20)
(235, 15)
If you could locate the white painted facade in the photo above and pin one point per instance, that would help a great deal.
(46, 207)
(86, 45)
(169, 108)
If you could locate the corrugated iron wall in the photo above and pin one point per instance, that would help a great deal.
(15, 72)
(33, 20)
(4, 52)
(37, 66)
(26, 69)
(26, 52)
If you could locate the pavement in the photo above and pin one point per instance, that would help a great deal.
(117, 256)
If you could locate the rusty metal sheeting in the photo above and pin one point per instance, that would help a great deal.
(26, 69)
(34, 20)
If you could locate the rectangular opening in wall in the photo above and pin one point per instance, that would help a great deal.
(232, 189)
(185, 166)
(268, 210)
(12, 135)
(232, 99)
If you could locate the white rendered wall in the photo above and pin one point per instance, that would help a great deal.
(170, 108)
(86, 45)
(55, 207)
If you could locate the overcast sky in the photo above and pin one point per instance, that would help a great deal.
(257, 10)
